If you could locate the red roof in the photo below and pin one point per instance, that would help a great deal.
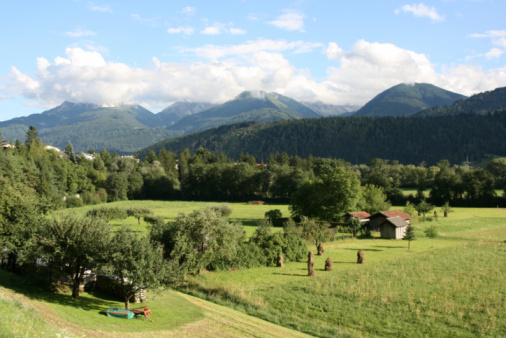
(395, 213)
(360, 214)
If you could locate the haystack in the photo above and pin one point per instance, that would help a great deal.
(279, 262)
(310, 264)
(360, 256)
(320, 249)
(328, 264)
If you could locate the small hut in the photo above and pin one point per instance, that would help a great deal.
(393, 228)
(377, 219)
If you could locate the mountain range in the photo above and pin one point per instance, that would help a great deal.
(130, 128)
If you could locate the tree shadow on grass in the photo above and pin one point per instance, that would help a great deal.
(367, 249)
(386, 247)
(336, 262)
(37, 289)
(289, 274)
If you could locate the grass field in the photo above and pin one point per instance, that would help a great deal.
(246, 214)
(456, 288)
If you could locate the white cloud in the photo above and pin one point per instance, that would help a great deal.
(220, 28)
(149, 21)
(494, 53)
(236, 31)
(77, 33)
(217, 51)
(497, 38)
(97, 8)
(356, 76)
(290, 21)
(186, 30)
(189, 10)
(421, 10)
(212, 30)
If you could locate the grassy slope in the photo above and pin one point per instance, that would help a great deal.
(39, 314)
(445, 291)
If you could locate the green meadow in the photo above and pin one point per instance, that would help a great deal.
(456, 288)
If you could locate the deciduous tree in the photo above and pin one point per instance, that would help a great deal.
(75, 244)
(137, 262)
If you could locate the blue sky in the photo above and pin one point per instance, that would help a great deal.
(157, 52)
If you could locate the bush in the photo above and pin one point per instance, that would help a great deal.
(154, 220)
(107, 213)
(74, 202)
(273, 214)
(223, 209)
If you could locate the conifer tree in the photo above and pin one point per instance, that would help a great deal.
(31, 136)
(410, 236)
(69, 151)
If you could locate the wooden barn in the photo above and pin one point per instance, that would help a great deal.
(393, 228)
(378, 218)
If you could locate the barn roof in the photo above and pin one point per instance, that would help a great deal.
(396, 221)
(393, 213)
(359, 214)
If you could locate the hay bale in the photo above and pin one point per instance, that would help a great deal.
(279, 262)
(360, 256)
(328, 264)
(310, 264)
(320, 249)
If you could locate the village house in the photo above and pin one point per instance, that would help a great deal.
(8, 145)
(52, 148)
(378, 218)
(393, 228)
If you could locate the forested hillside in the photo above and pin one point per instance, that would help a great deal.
(356, 139)
(481, 103)
(408, 99)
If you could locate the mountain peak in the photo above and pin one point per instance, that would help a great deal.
(252, 94)
(407, 99)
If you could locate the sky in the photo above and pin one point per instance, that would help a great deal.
(154, 53)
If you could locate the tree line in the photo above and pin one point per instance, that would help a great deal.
(71, 180)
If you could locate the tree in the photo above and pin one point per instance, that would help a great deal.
(409, 209)
(354, 224)
(273, 214)
(446, 209)
(316, 232)
(423, 208)
(432, 232)
(374, 199)
(137, 262)
(106, 157)
(74, 244)
(31, 136)
(19, 213)
(194, 240)
(117, 186)
(138, 213)
(69, 151)
(409, 236)
(327, 197)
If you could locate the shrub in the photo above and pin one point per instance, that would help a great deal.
(74, 202)
(223, 209)
(154, 220)
(273, 214)
(107, 213)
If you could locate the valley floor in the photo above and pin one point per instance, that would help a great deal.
(454, 286)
